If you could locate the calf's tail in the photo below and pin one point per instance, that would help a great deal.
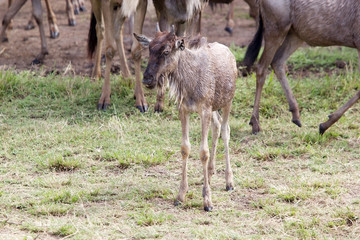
(92, 37)
(253, 49)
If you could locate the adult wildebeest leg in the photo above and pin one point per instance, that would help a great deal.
(70, 13)
(98, 25)
(116, 27)
(185, 151)
(37, 12)
(11, 12)
(54, 30)
(109, 21)
(215, 133)
(290, 44)
(272, 43)
(225, 134)
(139, 17)
(204, 156)
(230, 18)
(254, 8)
(10, 24)
(334, 117)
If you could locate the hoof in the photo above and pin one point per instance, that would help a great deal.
(36, 61)
(159, 110)
(76, 11)
(208, 209)
(229, 30)
(177, 203)
(229, 188)
(142, 109)
(322, 129)
(54, 35)
(297, 122)
(5, 39)
(103, 106)
(72, 23)
(82, 9)
(29, 27)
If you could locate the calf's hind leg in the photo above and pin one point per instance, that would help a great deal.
(225, 134)
(215, 134)
(204, 157)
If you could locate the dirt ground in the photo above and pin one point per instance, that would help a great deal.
(68, 52)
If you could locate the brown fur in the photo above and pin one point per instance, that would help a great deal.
(202, 79)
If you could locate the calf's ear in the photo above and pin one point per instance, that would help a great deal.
(143, 40)
(179, 44)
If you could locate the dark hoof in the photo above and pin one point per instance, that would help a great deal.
(102, 106)
(72, 23)
(229, 188)
(229, 30)
(142, 109)
(82, 9)
(5, 39)
(322, 129)
(158, 110)
(54, 35)
(208, 209)
(297, 122)
(177, 203)
(29, 27)
(76, 11)
(36, 61)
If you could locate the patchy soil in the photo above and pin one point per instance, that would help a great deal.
(68, 52)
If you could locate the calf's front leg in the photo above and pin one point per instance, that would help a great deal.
(185, 150)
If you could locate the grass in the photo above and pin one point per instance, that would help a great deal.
(70, 171)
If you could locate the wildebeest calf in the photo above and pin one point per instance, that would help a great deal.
(202, 79)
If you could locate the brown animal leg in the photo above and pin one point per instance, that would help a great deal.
(290, 44)
(215, 131)
(37, 12)
(230, 18)
(11, 22)
(104, 100)
(225, 134)
(273, 40)
(254, 8)
(11, 12)
(70, 13)
(54, 30)
(118, 35)
(139, 17)
(76, 6)
(82, 6)
(96, 8)
(204, 156)
(334, 117)
(185, 151)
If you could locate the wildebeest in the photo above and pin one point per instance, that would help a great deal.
(285, 25)
(114, 13)
(202, 79)
(14, 8)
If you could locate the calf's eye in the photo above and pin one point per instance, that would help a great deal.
(166, 52)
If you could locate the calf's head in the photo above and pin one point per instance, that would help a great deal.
(163, 56)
